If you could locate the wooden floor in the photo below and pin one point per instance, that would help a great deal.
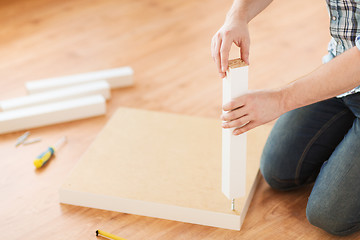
(168, 45)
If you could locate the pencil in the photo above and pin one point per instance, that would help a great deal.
(108, 235)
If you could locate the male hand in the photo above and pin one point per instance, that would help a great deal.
(253, 109)
(233, 31)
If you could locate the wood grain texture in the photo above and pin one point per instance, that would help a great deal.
(162, 165)
(168, 45)
(237, 62)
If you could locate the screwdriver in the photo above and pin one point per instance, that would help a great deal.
(44, 157)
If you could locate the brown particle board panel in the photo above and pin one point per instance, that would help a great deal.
(161, 165)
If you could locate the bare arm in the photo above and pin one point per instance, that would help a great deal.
(334, 78)
(247, 9)
(235, 29)
(259, 107)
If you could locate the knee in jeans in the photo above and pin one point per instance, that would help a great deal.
(275, 181)
(328, 218)
(272, 169)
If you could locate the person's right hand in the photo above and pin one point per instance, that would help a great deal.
(231, 32)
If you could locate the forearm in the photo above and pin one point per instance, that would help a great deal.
(331, 79)
(246, 9)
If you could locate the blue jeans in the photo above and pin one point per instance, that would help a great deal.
(320, 143)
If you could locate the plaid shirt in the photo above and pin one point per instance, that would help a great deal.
(344, 29)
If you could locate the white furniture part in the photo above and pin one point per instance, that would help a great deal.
(117, 77)
(234, 147)
(88, 89)
(52, 113)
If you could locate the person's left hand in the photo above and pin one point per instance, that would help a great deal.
(252, 109)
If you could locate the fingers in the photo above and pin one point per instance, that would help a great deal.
(244, 51)
(220, 48)
(235, 114)
(238, 123)
(216, 54)
(245, 128)
(213, 42)
(234, 104)
(221, 45)
(224, 53)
